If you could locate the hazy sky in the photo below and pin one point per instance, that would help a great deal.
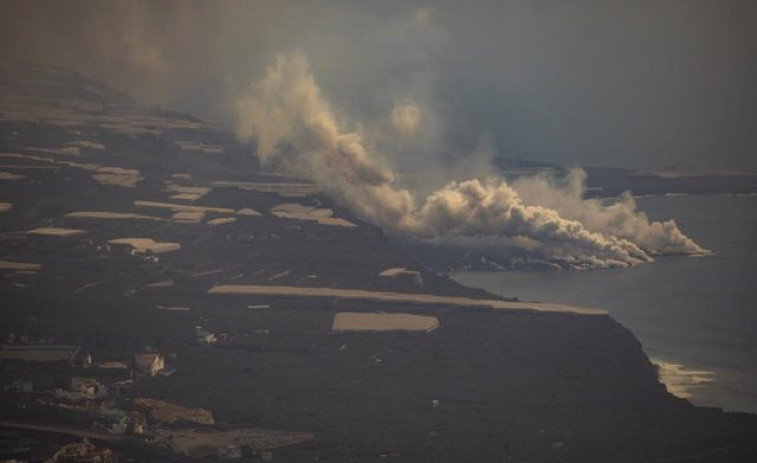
(641, 83)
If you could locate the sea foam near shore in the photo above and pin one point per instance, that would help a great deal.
(680, 380)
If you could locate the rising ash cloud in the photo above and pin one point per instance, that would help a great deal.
(629, 83)
(295, 126)
(413, 99)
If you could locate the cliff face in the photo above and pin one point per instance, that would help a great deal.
(486, 385)
(541, 387)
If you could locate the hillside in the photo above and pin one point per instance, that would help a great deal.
(84, 171)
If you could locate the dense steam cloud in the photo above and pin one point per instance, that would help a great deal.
(295, 126)
(620, 219)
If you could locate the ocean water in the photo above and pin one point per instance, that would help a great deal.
(696, 317)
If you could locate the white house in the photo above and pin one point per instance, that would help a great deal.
(149, 364)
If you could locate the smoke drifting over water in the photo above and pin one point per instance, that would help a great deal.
(295, 127)
(620, 218)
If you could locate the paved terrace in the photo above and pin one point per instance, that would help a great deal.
(406, 298)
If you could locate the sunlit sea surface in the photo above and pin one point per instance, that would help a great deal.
(695, 316)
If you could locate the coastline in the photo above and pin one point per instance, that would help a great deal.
(693, 312)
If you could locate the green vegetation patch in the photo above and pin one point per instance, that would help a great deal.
(38, 353)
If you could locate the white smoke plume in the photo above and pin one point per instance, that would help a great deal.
(405, 119)
(295, 126)
(619, 218)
